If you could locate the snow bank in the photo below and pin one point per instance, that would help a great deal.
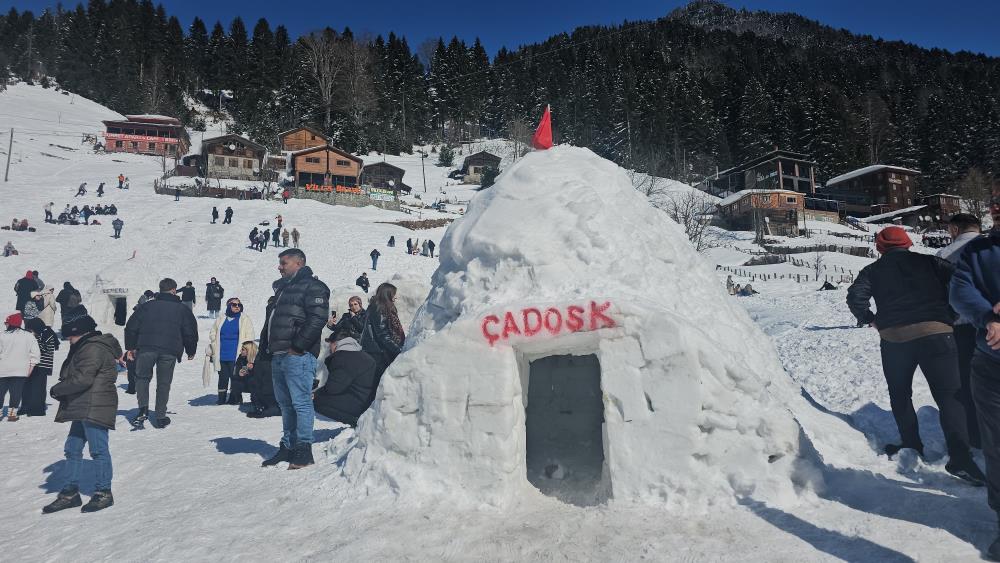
(563, 257)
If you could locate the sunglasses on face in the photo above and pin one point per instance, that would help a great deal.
(240, 305)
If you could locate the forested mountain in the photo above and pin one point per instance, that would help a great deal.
(705, 87)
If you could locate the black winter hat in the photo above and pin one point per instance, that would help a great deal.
(80, 326)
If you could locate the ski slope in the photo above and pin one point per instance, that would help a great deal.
(196, 491)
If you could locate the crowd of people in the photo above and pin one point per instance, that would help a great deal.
(260, 237)
(417, 247)
(74, 215)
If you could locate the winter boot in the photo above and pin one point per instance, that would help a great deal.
(284, 454)
(161, 423)
(222, 398)
(139, 422)
(68, 498)
(893, 449)
(256, 412)
(966, 470)
(302, 456)
(235, 399)
(100, 501)
(12, 415)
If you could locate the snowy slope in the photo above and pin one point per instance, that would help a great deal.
(195, 491)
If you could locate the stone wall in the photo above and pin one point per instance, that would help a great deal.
(368, 196)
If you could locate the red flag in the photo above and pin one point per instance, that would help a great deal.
(542, 139)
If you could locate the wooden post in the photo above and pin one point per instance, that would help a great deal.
(10, 149)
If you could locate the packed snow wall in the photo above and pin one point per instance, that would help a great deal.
(563, 257)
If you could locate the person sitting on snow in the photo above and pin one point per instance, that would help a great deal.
(343, 391)
(9, 250)
(747, 291)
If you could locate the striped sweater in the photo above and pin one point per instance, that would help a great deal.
(48, 343)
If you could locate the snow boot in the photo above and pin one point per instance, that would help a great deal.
(966, 470)
(161, 423)
(893, 449)
(100, 501)
(302, 456)
(12, 415)
(139, 422)
(283, 454)
(235, 399)
(222, 398)
(68, 498)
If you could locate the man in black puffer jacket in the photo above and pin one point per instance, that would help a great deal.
(345, 392)
(157, 334)
(914, 321)
(293, 328)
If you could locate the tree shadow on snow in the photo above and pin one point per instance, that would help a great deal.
(831, 542)
(230, 446)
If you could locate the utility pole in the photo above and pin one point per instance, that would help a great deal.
(423, 155)
(10, 149)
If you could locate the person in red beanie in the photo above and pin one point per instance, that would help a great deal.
(914, 321)
(19, 353)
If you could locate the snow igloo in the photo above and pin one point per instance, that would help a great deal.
(574, 344)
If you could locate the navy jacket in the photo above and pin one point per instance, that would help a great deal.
(975, 287)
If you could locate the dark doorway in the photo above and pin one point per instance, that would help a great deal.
(564, 421)
(121, 311)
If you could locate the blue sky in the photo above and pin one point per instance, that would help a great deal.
(953, 25)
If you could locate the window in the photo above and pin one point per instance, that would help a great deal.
(118, 144)
(219, 161)
(135, 145)
(790, 199)
(171, 149)
(248, 163)
(343, 163)
(114, 129)
(313, 137)
(234, 163)
(312, 159)
(895, 200)
(152, 146)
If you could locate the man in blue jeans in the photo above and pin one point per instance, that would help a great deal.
(88, 399)
(295, 317)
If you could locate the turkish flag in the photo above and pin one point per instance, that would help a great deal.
(542, 139)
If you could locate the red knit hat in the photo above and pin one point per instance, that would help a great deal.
(892, 237)
(14, 320)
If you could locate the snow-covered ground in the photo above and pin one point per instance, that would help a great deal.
(196, 490)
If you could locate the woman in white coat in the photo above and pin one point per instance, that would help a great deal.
(47, 312)
(19, 354)
(228, 334)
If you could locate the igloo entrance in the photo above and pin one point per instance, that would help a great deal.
(564, 420)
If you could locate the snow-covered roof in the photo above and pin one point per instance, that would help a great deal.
(866, 170)
(891, 214)
(733, 198)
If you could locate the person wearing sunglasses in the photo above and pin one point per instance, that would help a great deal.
(975, 295)
(228, 333)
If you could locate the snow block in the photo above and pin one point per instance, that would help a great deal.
(563, 258)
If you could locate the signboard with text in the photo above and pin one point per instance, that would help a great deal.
(534, 322)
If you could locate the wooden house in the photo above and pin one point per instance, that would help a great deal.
(326, 166)
(474, 164)
(384, 175)
(157, 135)
(773, 212)
(940, 208)
(874, 190)
(776, 170)
(301, 138)
(232, 157)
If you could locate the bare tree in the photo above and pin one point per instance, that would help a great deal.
(692, 210)
(876, 127)
(156, 94)
(818, 266)
(326, 64)
(356, 96)
(976, 189)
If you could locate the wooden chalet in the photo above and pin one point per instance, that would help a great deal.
(874, 190)
(940, 208)
(474, 164)
(384, 175)
(773, 212)
(232, 157)
(157, 135)
(776, 170)
(301, 138)
(326, 166)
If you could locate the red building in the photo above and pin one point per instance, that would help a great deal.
(147, 134)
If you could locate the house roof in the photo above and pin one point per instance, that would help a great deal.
(234, 137)
(343, 153)
(309, 128)
(867, 170)
(733, 198)
(891, 214)
(482, 155)
(777, 153)
(383, 165)
(153, 118)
